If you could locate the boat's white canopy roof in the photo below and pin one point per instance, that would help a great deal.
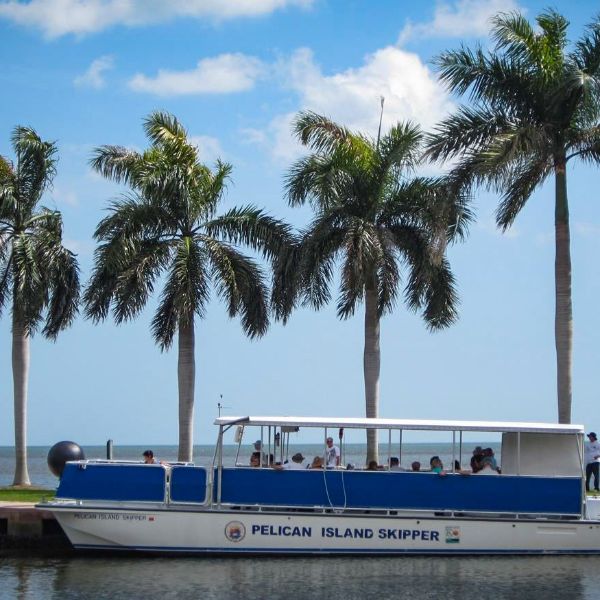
(405, 424)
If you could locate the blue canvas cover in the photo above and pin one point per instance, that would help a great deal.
(188, 484)
(400, 490)
(142, 483)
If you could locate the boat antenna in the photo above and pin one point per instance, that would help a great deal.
(219, 405)
(382, 100)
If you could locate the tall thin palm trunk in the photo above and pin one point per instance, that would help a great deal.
(563, 323)
(371, 363)
(20, 368)
(186, 373)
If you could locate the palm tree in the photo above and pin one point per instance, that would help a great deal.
(169, 226)
(373, 220)
(535, 107)
(38, 275)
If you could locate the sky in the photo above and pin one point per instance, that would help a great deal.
(235, 72)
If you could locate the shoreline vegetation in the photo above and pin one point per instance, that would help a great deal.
(25, 494)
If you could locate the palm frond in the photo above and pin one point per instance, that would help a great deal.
(526, 178)
(319, 133)
(134, 283)
(63, 292)
(240, 282)
(36, 166)
(469, 127)
(362, 255)
(185, 293)
(400, 148)
(117, 163)
(253, 228)
(164, 128)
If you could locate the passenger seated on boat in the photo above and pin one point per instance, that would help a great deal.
(476, 459)
(436, 465)
(487, 467)
(373, 466)
(488, 452)
(317, 463)
(148, 457)
(296, 463)
(415, 465)
(395, 464)
(255, 459)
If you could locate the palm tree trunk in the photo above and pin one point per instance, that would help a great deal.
(186, 375)
(20, 367)
(563, 323)
(371, 363)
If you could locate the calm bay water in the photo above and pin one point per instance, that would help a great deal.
(497, 578)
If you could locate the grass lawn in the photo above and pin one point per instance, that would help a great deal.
(12, 494)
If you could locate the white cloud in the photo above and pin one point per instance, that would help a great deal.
(64, 196)
(209, 148)
(61, 17)
(463, 18)
(223, 74)
(94, 76)
(352, 97)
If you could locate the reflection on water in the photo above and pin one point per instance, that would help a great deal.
(463, 578)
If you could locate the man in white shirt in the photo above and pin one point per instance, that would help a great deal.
(332, 454)
(592, 461)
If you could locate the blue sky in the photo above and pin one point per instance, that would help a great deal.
(86, 72)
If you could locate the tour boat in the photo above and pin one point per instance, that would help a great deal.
(538, 505)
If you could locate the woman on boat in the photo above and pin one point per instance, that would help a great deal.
(436, 465)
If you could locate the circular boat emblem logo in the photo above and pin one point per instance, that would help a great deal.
(235, 531)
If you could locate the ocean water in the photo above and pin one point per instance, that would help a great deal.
(322, 578)
(354, 454)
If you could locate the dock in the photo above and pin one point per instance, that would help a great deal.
(23, 528)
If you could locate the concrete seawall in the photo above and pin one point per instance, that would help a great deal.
(24, 528)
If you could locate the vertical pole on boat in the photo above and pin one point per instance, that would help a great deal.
(325, 450)
(460, 447)
(518, 452)
(453, 451)
(262, 445)
(580, 452)
(239, 434)
(400, 448)
(219, 464)
(269, 446)
(389, 448)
